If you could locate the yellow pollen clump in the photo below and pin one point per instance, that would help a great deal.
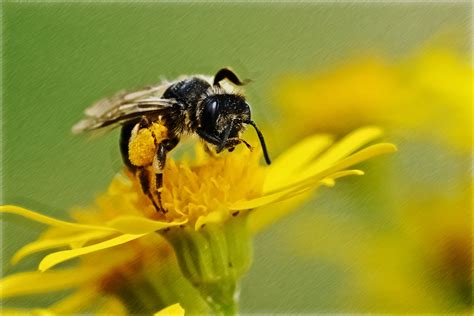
(159, 131)
(142, 148)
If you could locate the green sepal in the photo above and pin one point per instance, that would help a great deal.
(158, 285)
(214, 258)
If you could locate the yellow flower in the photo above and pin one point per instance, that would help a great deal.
(208, 203)
(427, 94)
(424, 101)
(338, 100)
(419, 262)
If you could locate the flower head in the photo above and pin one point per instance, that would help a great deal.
(116, 238)
(432, 87)
(420, 262)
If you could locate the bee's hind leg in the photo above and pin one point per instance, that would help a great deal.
(159, 165)
(143, 174)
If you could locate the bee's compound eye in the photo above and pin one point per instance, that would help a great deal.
(210, 113)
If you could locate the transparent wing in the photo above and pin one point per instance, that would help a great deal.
(122, 107)
(102, 106)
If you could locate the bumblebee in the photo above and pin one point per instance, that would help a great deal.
(155, 118)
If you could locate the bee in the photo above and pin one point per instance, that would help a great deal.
(154, 119)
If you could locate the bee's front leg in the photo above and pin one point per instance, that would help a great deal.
(232, 142)
(212, 139)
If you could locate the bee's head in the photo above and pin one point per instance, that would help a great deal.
(219, 111)
(223, 117)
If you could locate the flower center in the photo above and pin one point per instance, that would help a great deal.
(201, 192)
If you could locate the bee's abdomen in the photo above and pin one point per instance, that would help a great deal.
(125, 135)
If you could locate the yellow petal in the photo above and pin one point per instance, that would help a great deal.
(61, 256)
(48, 220)
(330, 181)
(45, 244)
(140, 225)
(294, 190)
(172, 310)
(294, 159)
(267, 215)
(274, 197)
(345, 173)
(362, 155)
(311, 182)
(344, 147)
(35, 282)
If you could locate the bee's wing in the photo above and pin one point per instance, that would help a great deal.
(102, 106)
(122, 113)
(122, 107)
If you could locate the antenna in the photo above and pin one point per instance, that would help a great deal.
(262, 141)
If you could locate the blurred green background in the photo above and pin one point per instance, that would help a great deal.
(58, 58)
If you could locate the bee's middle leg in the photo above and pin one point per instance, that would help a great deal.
(208, 150)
